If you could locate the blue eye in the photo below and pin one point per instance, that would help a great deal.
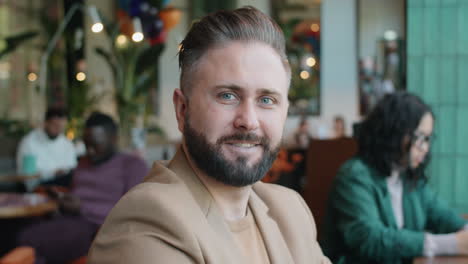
(266, 100)
(227, 96)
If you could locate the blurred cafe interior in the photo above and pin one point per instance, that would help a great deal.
(68, 66)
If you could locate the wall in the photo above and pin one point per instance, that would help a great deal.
(262, 5)
(437, 70)
(169, 72)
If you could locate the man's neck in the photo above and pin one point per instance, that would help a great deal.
(231, 200)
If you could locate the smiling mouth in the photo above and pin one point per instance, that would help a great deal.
(243, 141)
(243, 144)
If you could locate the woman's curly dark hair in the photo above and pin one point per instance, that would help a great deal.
(382, 134)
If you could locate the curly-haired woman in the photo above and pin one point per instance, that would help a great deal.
(381, 209)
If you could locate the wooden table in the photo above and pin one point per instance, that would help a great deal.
(15, 205)
(442, 260)
(17, 178)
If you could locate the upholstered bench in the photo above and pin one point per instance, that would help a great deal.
(19, 255)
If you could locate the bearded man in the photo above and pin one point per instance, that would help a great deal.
(207, 205)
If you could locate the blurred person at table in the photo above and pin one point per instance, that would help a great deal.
(339, 127)
(102, 177)
(52, 154)
(381, 209)
(302, 135)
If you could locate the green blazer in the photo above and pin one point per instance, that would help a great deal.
(360, 226)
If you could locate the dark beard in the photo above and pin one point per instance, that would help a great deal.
(52, 136)
(210, 159)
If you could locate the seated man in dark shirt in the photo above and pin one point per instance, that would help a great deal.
(101, 178)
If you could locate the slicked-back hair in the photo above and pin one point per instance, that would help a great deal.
(395, 117)
(245, 24)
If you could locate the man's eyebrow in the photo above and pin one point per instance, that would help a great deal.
(268, 92)
(229, 86)
(263, 91)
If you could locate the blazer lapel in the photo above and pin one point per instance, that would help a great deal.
(276, 247)
(214, 230)
(385, 199)
(412, 210)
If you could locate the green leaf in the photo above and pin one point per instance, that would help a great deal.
(109, 59)
(144, 82)
(13, 42)
(149, 58)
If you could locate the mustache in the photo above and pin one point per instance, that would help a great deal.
(264, 141)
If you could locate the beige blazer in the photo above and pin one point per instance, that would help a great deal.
(172, 218)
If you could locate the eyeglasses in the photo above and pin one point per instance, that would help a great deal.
(419, 139)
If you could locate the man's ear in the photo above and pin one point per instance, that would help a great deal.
(180, 106)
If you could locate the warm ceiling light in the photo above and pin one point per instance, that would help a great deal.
(81, 76)
(138, 29)
(137, 36)
(97, 23)
(304, 75)
(97, 27)
(32, 77)
(311, 62)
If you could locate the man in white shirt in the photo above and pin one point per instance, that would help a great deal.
(53, 154)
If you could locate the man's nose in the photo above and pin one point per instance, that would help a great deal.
(246, 116)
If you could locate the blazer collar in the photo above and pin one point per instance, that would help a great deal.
(387, 207)
(222, 234)
(276, 247)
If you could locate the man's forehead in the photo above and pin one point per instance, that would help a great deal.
(241, 66)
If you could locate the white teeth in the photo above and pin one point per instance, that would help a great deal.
(244, 145)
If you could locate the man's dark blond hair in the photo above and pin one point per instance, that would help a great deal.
(245, 24)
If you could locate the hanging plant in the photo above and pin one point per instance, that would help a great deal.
(134, 65)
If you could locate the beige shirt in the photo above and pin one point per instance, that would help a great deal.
(249, 239)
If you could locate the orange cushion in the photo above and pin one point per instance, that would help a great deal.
(81, 260)
(19, 255)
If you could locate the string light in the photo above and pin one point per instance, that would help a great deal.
(121, 41)
(314, 27)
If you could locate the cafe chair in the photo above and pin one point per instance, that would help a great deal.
(324, 158)
(19, 255)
